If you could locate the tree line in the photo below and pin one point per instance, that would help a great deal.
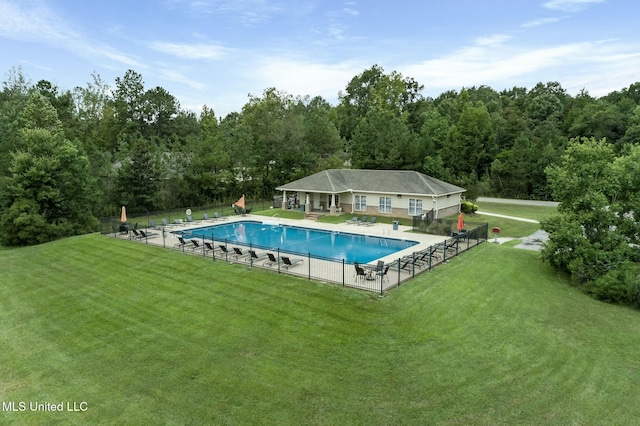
(71, 155)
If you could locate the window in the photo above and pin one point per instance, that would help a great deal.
(360, 202)
(415, 207)
(385, 205)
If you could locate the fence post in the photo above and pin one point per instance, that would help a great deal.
(278, 259)
(343, 273)
(213, 244)
(309, 264)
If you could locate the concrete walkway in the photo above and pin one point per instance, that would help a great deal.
(518, 202)
(521, 219)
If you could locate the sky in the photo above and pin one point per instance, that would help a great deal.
(217, 52)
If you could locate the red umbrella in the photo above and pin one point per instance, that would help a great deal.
(123, 215)
(460, 222)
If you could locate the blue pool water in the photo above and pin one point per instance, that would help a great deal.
(293, 239)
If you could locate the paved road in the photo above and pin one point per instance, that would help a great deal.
(520, 202)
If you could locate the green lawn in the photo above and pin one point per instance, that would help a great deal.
(149, 336)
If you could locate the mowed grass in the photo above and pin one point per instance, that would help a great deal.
(149, 336)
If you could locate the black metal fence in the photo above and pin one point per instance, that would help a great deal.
(377, 278)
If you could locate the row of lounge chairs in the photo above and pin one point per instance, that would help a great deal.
(362, 221)
(164, 223)
(236, 253)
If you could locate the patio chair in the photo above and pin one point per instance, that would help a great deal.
(351, 221)
(383, 273)
(360, 272)
(287, 263)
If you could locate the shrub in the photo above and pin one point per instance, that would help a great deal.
(618, 286)
(468, 207)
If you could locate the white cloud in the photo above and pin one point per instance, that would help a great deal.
(540, 22)
(513, 65)
(350, 11)
(570, 5)
(492, 40)
(302, 77)
(190, 51)
(39, 24)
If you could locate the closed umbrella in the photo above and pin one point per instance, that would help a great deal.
(123, 215)
(460, 222)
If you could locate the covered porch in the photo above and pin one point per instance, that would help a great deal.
(322, 203)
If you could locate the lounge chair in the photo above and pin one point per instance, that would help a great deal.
(194, 245)
(371, 221)
(287, 262)
(166, 223)
(181, 243)
(153, 224)
(206, 218)
(178, 222)
(223, 250)
(254, 257)
(217, 216)
(136, 234)
(237, 253)
(208, 247)
(407, 262)
(351, 221)
(362, 221)
(191, 220)
(144, 234)
(271, 261)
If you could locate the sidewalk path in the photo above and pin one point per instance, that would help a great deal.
(521, 219)
(518, 202)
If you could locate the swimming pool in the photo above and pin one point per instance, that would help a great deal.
(300, 240)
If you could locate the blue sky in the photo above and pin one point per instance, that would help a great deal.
(216, 52)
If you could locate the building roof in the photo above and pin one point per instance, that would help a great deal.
(405, 182)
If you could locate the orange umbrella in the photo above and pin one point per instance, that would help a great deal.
(240, 202)
(123, 215)
(460, 222)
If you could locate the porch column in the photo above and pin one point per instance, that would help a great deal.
(332, 209)
(284, 200)
(307, 204)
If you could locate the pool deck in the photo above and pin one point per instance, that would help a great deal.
(317, 269)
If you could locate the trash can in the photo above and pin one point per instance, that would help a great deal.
(302, 207)
(395, 225)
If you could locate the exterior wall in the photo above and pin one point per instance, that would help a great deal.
(446, 205)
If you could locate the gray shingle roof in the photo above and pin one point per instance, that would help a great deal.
(376, 181)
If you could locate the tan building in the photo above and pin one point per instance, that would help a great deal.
(396, 193)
